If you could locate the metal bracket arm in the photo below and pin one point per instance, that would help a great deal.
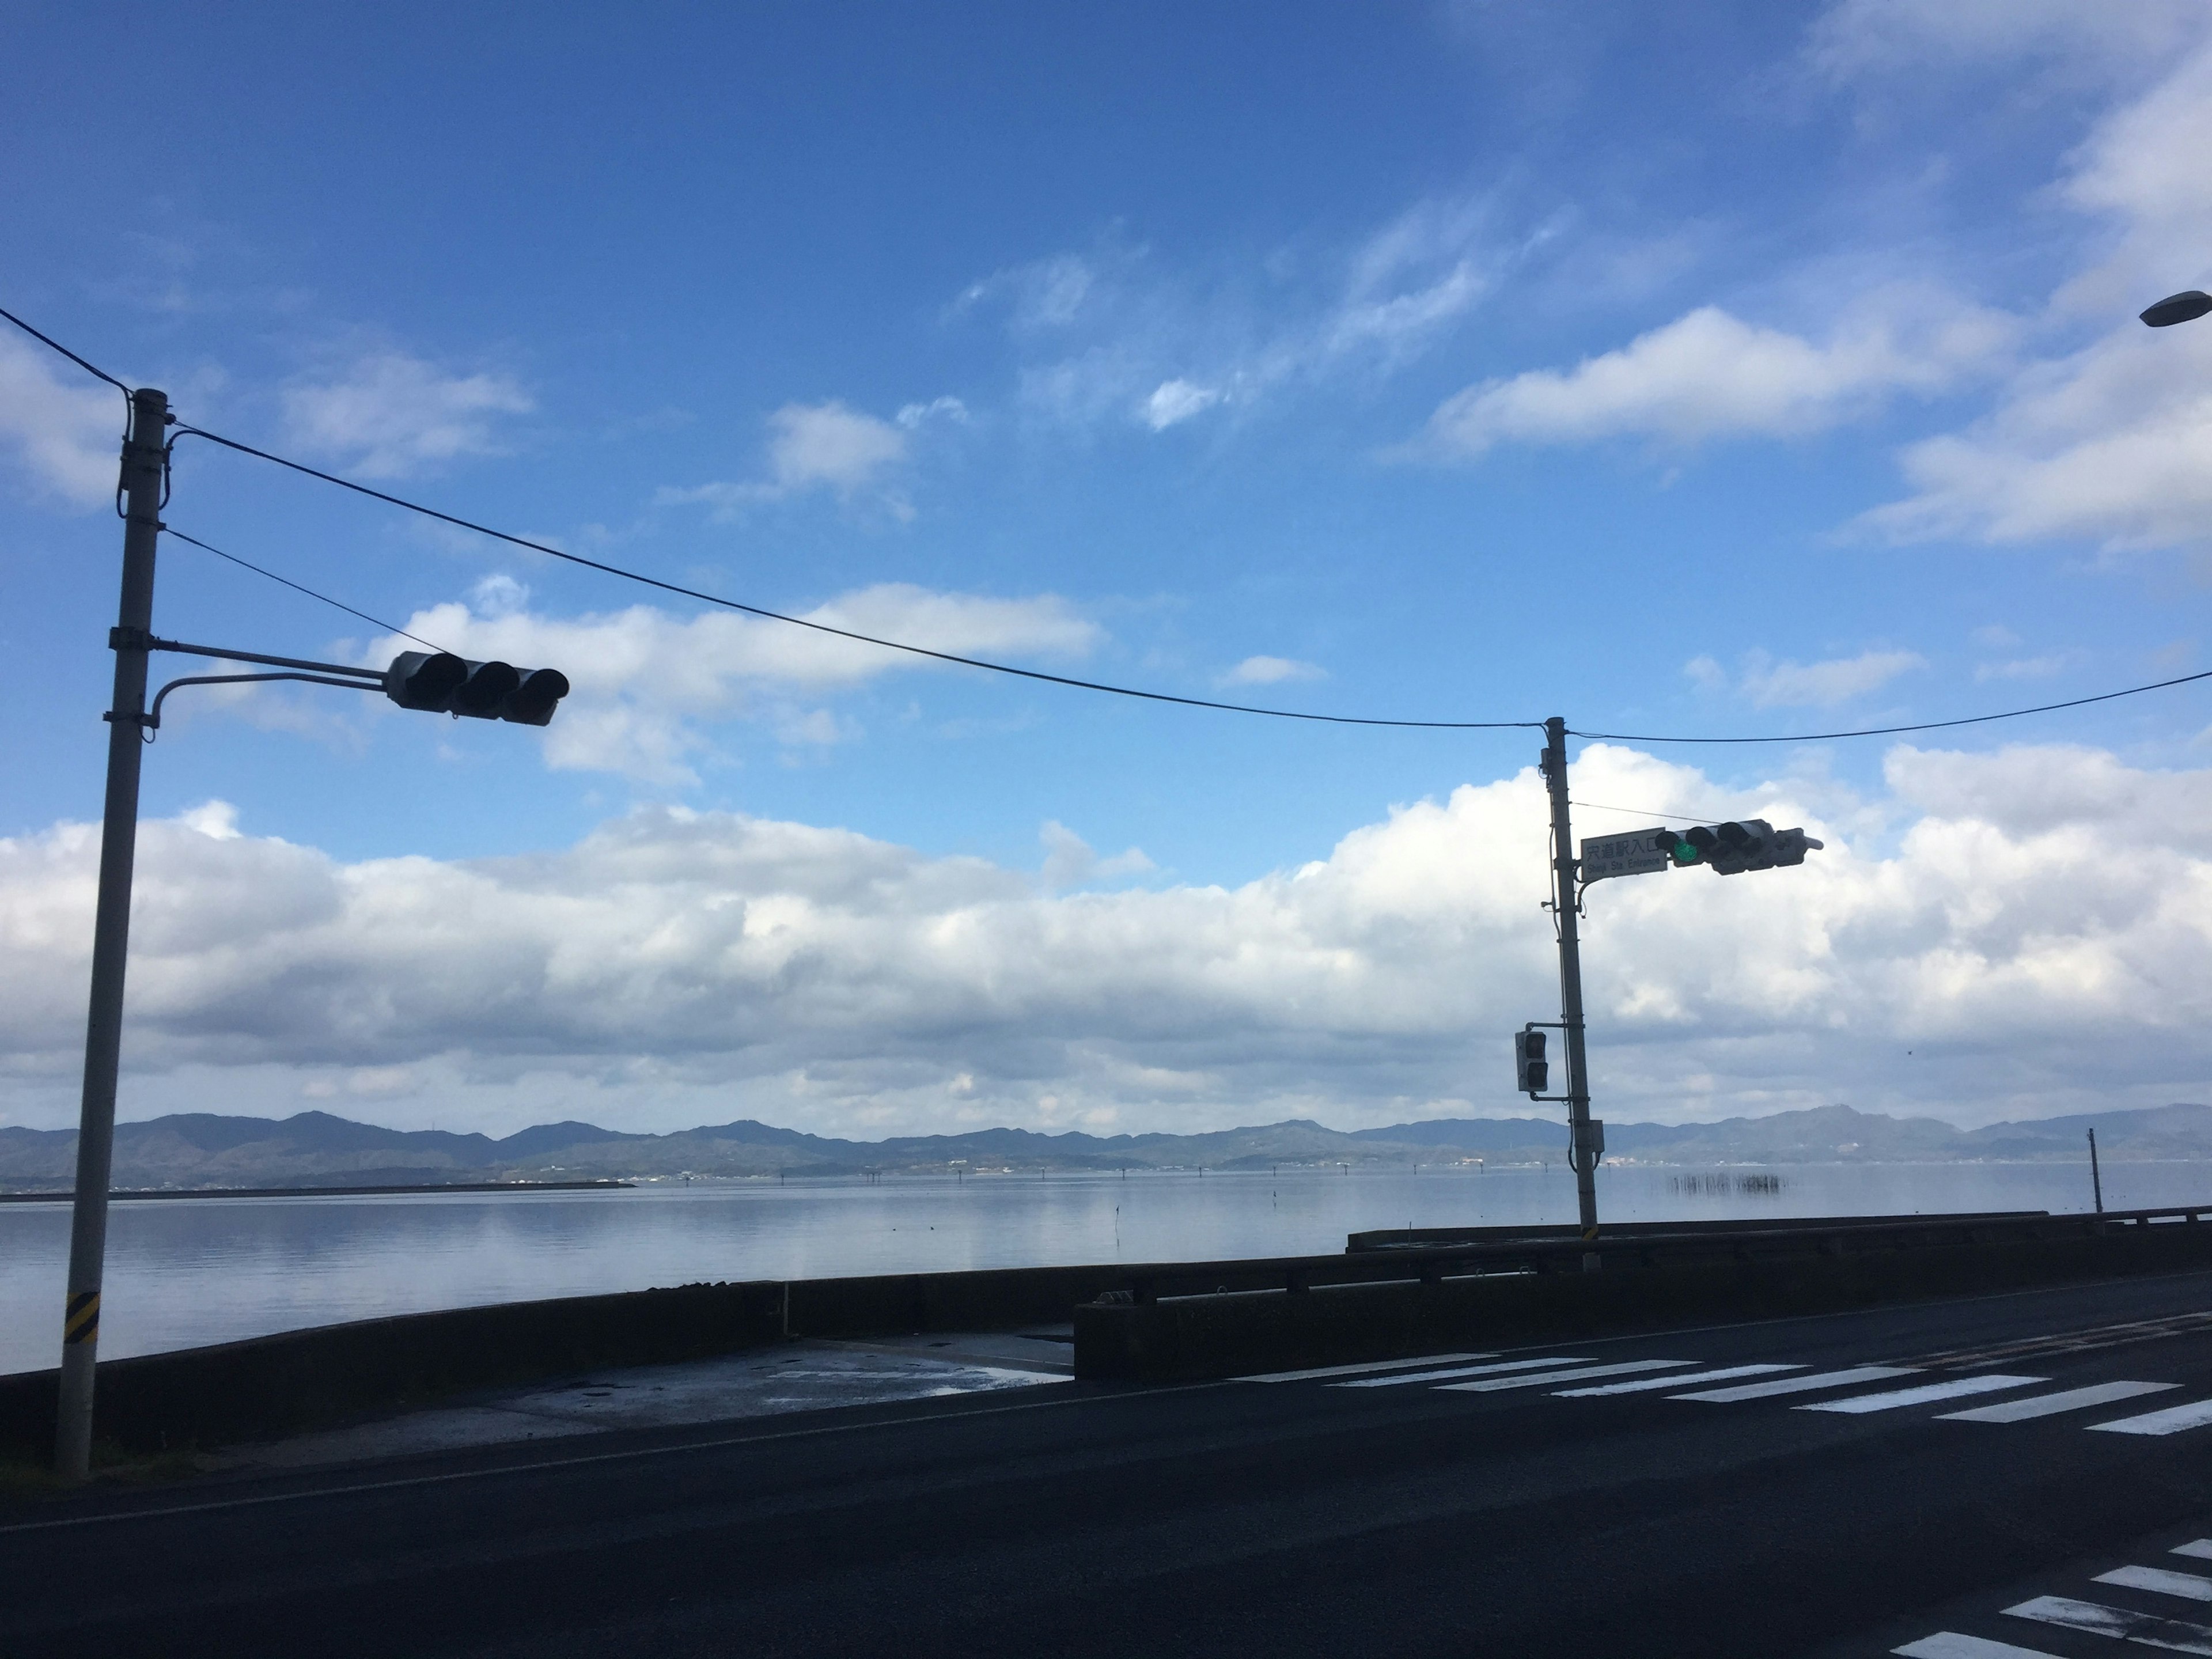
(151, 719)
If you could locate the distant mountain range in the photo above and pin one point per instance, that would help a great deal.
(200, 1150)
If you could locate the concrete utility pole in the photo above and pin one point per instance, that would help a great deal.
(1585, 1139)
(145, 466)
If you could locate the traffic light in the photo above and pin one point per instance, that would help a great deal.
(1731, 848)
(443, 684)
(1528, 1061)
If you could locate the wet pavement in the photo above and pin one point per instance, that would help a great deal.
(792, 1377)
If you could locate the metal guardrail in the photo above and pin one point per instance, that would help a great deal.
(1433, 1263)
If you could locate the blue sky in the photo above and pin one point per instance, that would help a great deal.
(1734, 370)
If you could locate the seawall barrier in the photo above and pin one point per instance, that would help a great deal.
(1386, 1296)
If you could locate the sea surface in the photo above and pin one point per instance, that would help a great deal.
(181, 1273)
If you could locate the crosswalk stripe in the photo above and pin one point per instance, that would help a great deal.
(2195, 1414)
(1356, 1370)
(2147, 1628)
(1800, 1384)
(1491, 1384)
(2047, 1404)
(1950, 1644)
(2199, 1547)
(1926, 1394)
(2193, 1586)
(1462, 1370)
(1643, 1383)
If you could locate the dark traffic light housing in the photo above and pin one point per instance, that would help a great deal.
(443, 684)
(1733, 848)
(1528, 1061)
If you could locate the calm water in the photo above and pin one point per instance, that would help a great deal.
(185, 1272)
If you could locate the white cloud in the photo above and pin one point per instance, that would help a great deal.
(65, 435)
(1070, 860)
(1176, 401)
(1115, 337)
(1710, 374)
(389, 415)
(2109, 441)
(826, 445)
(2031, 668)
(2037, 933)
(1272, 670)
(829, 444)
(1786, 685)
(1853, 37)
(645, 682)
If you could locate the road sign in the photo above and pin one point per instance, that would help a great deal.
(1637, 854)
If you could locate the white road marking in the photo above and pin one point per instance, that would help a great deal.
(1491, 1385)
(1801, 1384)
(2199, 1547)
(1356, 1370)
(2047, 1404)
(1642, 1384)
(1981, 1383)
(2173, 1421)
(2146, 1628)
(1950, 1644)
(1463, 1371)
(2192, 1585)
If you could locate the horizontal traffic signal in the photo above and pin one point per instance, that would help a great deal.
(441, 683)
(1734, 847)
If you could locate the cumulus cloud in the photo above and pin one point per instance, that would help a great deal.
(1070, 860)
(1174, 402)
(2035, 925)
(826, 445)
(389, 415)
(1787, 684)
(646, 683)
(65, 435)
(1710, 374)
(1272, 670)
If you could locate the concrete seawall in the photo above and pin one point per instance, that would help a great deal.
(1247, 1316)
(1194, 1338)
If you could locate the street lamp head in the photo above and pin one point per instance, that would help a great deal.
(2179, 308)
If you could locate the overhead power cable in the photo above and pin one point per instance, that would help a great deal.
(1033, 673)
(846, 633)
(298, 587)
(48, 340)
(1653, 811)
(1896, 731)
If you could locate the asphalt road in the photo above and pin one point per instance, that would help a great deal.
(1406, 1517)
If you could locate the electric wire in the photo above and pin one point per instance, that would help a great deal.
(1032, 673)
(299, 587)
(1650, 811)
(847, 632)
(1896, 731)
(93, 369)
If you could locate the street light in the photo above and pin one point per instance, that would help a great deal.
(2184, 307)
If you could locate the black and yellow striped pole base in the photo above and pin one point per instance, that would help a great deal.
(81, 1322)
